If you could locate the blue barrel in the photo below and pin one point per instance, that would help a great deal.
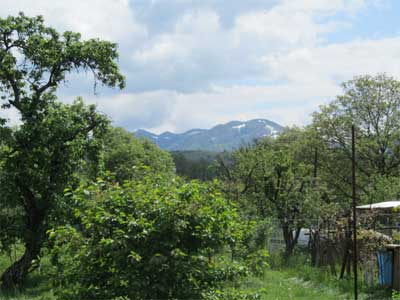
(385, 265)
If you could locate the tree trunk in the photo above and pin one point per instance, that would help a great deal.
(331, 258)
(346, 261)
(16, 274)
(290, 240)
(314, 246)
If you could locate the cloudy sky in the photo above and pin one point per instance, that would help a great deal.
(197, 63)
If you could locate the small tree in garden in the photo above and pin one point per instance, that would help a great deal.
(156, 238)
(39, 157)
(124, 155)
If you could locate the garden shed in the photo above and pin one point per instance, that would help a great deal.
(381, 216)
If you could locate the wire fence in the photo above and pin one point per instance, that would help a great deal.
(328, 243)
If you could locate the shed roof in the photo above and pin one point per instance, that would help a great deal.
(380, 205)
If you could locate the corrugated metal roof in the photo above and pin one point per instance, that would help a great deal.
(387, 204)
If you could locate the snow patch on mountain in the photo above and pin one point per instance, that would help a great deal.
(239, 126)
(193, 132)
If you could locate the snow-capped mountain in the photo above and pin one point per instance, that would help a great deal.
(222, 137)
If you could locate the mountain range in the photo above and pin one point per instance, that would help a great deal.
(222, 137)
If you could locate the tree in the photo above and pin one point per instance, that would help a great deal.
(275, 177)
(153, 238)
(42, 154)
(195, 164)
(372, 104)
(125, 155)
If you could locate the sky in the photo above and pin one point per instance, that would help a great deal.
(198, 63)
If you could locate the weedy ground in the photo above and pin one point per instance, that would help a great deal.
(292, 280)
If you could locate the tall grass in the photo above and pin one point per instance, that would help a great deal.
(299, 267)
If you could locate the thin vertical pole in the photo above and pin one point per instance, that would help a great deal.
(353, 156)
(315, 166)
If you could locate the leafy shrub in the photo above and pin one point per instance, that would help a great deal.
(257, 262)
(151, 239)
(395, 295)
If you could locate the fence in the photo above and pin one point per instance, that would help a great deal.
(329, 242)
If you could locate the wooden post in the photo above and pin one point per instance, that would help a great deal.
(396, 265)
(396, 268)
(353, 173)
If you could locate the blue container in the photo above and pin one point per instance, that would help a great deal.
(385, 266)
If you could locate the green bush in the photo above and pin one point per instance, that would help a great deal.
(395, 295)
(151, 239)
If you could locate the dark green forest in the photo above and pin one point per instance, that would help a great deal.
(88, 211)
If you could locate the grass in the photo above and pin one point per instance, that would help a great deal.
(296, 279)
(37, 286)
(293, 280)
(282, 285)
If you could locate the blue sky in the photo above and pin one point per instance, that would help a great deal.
(197, 63)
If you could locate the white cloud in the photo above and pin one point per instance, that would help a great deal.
(136, 110)
(111, 20)
(203, 63)
(199, 51)
(338, 62)
(311, 78)
(323, 6)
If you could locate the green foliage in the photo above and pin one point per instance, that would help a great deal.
(124, 156)
(372, 104)
(47, 53)
(156, 238)
(40, 156)
(195, 164)
(275, 179)
(40, 160)
(395, 295)
(258, 261)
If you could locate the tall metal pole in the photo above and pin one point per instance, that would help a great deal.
(354, 196)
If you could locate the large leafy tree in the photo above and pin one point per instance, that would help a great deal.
(40, 156)
(372, 104)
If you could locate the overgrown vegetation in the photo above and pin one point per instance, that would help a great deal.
(154, 238)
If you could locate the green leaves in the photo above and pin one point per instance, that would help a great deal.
(35, 59)
(54, 144)
(372, 104)
(129, 158)
(155, 238)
